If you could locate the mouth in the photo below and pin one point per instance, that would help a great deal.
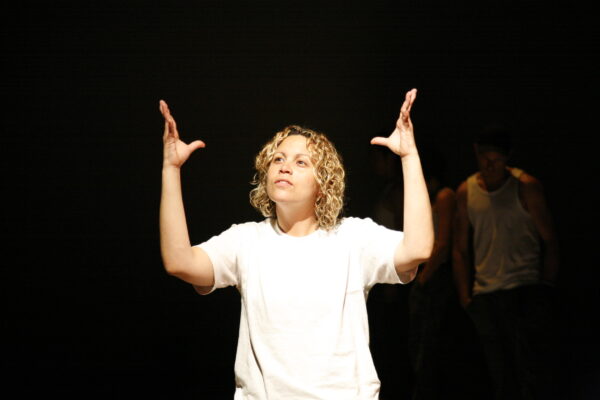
(282, 182)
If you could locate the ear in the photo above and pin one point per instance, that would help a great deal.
(320, 196)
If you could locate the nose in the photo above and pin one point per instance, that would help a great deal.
(285, 168)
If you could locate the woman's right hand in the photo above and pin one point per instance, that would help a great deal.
(175, 151)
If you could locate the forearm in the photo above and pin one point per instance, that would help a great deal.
(418, 223)
(551, 262)
(462, 276)
(175, 244)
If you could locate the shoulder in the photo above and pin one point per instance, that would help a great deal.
(526, 178)
(531, 192)
(364, 233)
(461, 191)
(249, 228)
(445, 200)
(445, 195)
(353, 222)
(523, 177)
(470, 183)
(357, 225)
(529, 184)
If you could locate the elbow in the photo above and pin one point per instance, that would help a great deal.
(176, 262)
(172, 266)
(422, 254)
(420, 260)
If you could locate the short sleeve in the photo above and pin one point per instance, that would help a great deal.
(223, 251)
(376, 246)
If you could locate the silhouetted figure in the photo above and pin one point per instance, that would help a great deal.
(388, 304)
(432, 301)
(507, 287)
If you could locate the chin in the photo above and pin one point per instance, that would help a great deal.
(278, 198)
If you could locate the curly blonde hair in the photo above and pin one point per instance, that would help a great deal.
(329, 174)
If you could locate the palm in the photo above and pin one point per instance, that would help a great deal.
(176, 152)
(401, 141)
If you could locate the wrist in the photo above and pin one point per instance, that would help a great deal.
(170, 169)
(410, 157)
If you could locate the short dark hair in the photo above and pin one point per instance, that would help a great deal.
(494, 137)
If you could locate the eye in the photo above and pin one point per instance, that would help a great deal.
(277, 159)
(302, 163)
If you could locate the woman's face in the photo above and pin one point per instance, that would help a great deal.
(291, 176)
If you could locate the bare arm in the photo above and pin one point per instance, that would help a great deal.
(535, 203)
(461, 257)
(445, 204)
(418, 225)
(180, 259)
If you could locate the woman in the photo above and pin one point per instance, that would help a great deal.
(303, 273)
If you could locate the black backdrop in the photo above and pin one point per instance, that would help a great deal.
(88, 308)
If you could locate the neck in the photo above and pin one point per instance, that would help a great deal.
(296, 222)
(493, 184)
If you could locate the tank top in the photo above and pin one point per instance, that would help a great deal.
(506, 243)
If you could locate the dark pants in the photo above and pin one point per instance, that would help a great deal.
(517, 330)
(433, 308)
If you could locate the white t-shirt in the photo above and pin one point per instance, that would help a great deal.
(303, 328)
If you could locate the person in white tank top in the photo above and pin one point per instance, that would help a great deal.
(505, 258)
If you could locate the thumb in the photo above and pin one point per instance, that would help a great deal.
(382, 141)
(195, 145)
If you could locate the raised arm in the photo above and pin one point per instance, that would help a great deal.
(180, 259)
(461, 256)
(418, 226)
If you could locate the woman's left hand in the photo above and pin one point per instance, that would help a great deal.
(402, 140)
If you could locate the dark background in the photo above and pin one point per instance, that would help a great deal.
(88, 309)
